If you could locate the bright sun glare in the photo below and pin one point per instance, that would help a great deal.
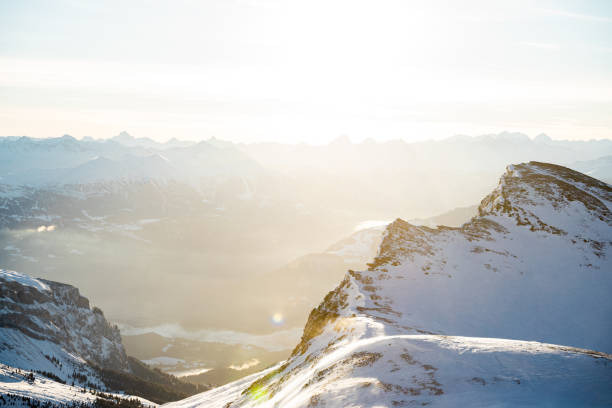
(257, 70)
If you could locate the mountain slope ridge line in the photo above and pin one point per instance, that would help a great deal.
(508, 280)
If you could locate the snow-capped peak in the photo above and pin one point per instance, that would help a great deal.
(124, 136)
(25, 280)
(502, 311)
(555, 199)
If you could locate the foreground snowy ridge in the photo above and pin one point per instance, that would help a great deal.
(427, 323)
(407, 370)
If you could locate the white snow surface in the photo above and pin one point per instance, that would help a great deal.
(43, 389)
(441, 371)
(22, 279)
(49, 327)
(220, 396)
(501, 312)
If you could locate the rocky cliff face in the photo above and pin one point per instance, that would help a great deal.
(53, 345)
(502, 311)
(59, 320)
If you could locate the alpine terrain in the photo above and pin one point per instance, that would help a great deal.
(214, 216)
(511, 309)
(55, 348)
(291, 204)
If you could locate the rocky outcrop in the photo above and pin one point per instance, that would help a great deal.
(57, 313)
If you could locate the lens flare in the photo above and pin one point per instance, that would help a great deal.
(277, 318)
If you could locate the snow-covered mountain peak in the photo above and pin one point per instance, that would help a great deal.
(124, 136)
(468, 316)
(497, 274)
(551, 198)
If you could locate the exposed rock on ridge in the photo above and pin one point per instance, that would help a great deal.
(61, 316)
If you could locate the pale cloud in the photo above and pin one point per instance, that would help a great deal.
(239, 367)
(370, 69)
(544, 46)
(578, 16)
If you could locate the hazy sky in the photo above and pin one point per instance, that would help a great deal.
(254, 70)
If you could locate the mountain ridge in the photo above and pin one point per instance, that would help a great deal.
(449, 316)
(51, 312)
(49, 330)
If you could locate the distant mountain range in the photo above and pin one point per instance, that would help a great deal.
(600, 168)
(40, 177)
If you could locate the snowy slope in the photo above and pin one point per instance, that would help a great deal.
(45, 390)
(221, 396)
(49, 327)
(49, 331)
(426, 370)
(428, 323)
(39, 317)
